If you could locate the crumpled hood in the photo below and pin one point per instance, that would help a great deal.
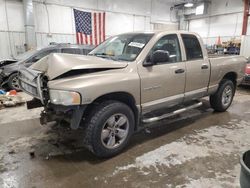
(57, 64)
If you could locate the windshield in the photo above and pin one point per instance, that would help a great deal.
(124, 47)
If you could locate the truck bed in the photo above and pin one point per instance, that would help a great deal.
(222, 65)
(220, 55)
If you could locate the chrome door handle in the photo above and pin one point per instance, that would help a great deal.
(204, 67)
(179, 71)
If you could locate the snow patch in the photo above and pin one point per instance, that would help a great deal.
(220, 139)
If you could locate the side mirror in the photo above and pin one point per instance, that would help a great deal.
(148, 62)
(160, 56)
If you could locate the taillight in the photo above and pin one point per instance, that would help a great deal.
(247, 69)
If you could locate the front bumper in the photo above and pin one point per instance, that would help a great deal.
(71, 114)
(246, 80)
(34, 83)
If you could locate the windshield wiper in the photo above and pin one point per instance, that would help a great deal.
(101, 54)
(104, 55)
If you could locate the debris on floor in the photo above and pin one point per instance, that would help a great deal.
(2, 92)
(199, 149)
(10, 99)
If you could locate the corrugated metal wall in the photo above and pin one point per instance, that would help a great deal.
(54, 20)
(225, 20)
(12, 35)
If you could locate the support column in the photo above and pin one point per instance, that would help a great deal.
(183, 23)
(30, 37)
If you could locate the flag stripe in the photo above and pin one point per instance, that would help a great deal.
(85, 39)
(97, 28)
(91, 40)
(77, 38)
(92, 27)
(88, 39)
(103, 28)
(95, 32)
(100, 27)
(81, 38)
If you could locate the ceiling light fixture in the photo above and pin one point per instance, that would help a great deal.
(188, 5)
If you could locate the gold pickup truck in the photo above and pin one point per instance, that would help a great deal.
(128, 81)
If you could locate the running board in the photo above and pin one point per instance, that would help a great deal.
(181, 110)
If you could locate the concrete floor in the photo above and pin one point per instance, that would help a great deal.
(198, 149)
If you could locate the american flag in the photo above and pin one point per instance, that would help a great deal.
(90, 27)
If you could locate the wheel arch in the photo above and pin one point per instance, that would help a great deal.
(6, 79)
(123, 97)
(231, 76)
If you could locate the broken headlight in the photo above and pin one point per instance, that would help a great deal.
(66, 98)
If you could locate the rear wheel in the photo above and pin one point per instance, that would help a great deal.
(222, 99)
(109, 128)
(13, 82)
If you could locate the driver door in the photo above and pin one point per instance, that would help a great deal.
(163, 84)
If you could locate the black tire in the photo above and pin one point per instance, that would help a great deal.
(216, 100)
(13, 82)
(1, 81)
(96, 122)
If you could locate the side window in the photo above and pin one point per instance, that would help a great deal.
(169, 43)
(71, 51)
(192, 47)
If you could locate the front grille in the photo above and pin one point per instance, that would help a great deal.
(28, 79)
(29, 88)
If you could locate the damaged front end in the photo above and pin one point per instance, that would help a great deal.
(34, 83)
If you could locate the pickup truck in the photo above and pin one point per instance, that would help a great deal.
(128, 82)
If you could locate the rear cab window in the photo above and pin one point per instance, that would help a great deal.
(192, 47)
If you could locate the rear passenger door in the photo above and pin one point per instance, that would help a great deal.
(197, 68)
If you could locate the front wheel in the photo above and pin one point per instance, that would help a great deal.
(13, 82)
(222, 99)
(109, 128)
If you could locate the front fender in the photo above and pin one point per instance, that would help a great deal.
(94, 85)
